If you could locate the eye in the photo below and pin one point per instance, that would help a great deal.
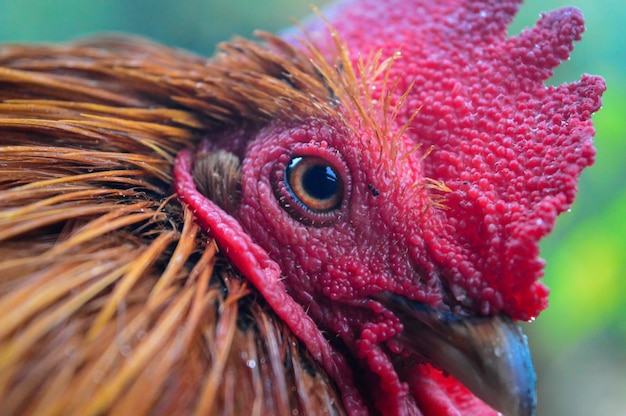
(314, 183)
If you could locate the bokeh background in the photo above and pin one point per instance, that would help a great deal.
(579, 343)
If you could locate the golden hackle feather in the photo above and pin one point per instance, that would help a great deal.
(112, 299)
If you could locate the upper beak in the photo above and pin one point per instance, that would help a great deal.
(488, 355)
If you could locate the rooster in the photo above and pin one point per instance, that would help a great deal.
(341, 219)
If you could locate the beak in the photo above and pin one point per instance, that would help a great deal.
(488, 355)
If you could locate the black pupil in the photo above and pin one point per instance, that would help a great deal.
(320, 182)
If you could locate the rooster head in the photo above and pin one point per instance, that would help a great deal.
(384, 181)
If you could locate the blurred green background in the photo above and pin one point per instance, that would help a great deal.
(579, 343)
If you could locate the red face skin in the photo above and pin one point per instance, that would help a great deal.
(372, 243)
(506, 155)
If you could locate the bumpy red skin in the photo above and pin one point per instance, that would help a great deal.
(509, 149)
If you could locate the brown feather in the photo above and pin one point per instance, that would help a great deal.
(112, 299)
(218, 177)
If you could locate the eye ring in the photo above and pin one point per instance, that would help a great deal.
(314, 183)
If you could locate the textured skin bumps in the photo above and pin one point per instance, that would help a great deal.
(509, 148)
